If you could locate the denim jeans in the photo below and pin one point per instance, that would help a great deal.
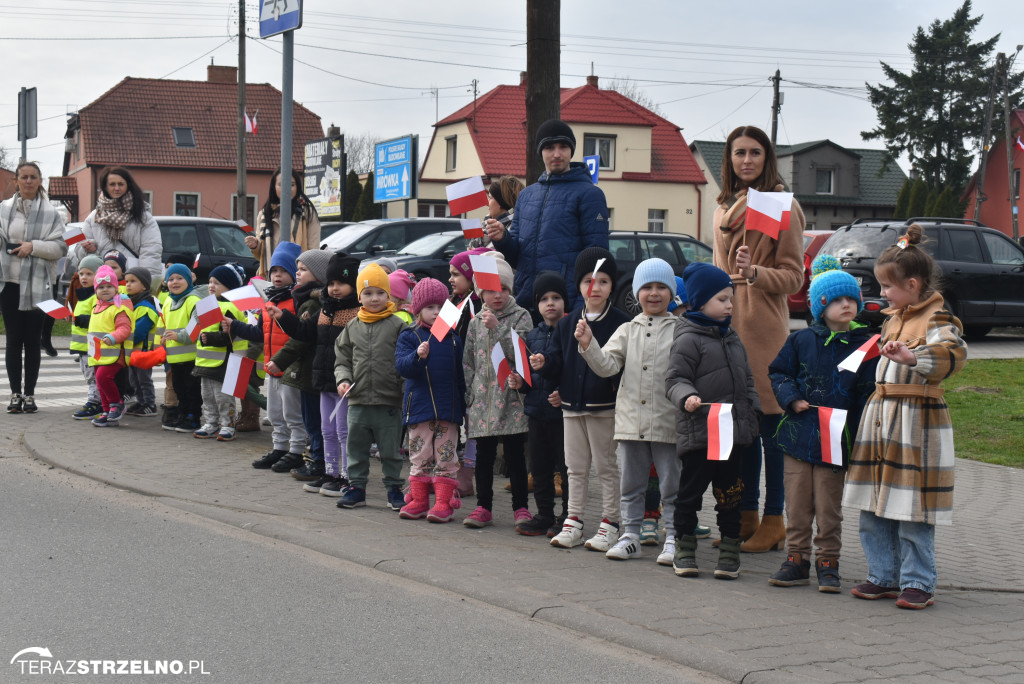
(311, 421)
(899, 553)
(774, 491)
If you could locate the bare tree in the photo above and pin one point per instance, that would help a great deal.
(3, 158)
(629, 88)
(359, 149)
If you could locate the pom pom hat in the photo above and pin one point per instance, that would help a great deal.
(829, 282)
(230, 276)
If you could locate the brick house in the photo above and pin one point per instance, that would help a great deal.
(996, 208)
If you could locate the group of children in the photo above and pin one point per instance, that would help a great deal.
(354, 363)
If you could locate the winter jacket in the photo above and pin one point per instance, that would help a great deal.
(535, 397)
(581, 388)
(808, 368)
(140, 243)
(295, 357)
(365, 358)
(555, 219)
(36, 273)
(714, 367)
(435, 387)
(492, 411)
(265, 332)
(640, 350)
(323, 331)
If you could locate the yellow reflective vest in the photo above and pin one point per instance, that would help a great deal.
(210, 356)
(181, 350)
(103, 323)
(79, 341)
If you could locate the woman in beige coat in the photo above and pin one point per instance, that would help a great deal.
(304, 228)
(764, 271)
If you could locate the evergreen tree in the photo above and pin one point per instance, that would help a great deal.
(946, 205)
(929, 204)
(918, 197)
(903, 200)
(365, 208)
(353, 189)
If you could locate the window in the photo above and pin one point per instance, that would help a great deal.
(184, 137)
(603, 146)
(623, 249)
(1002, 249)
(388, 237)
(227, 241)
(696, 251)
(426, 209)
(823, 181)
(658, 248)
(186, 204)
(180, 239)
(962, 245)
(251, 202)
(148, 196)
(656, 220)
(451, 150)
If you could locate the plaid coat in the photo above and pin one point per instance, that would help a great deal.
(901, 467)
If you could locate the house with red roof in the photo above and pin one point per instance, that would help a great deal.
(179, 139)
(997, 209)
(647, 172)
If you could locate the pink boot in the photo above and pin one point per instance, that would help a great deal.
(446, 491)
(417, 501)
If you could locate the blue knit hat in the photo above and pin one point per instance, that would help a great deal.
(179, 269)
(680, 298)
(653, 271)
(704, 281)
(285, 256)
(829, 282)
(230, 276)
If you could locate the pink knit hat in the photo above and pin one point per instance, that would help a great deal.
(401, 283)
(461, 261)
(105, 274)
(427, 292)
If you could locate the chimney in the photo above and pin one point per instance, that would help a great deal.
(221, 74)
(522, 78)
(592, 80)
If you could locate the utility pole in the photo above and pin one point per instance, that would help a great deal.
(1009, 143)
(242, 199)
(776, 105)
(475, 82)
(543, 64)
(986, 137)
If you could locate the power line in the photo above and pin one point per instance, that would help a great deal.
(729, 114)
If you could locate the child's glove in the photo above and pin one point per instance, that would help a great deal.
(148, 360)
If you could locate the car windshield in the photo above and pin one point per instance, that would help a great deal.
(860, 242)
(426, 245)
(344, 239)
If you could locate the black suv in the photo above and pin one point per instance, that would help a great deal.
(631, 247)
(982, 269)
(216, 241)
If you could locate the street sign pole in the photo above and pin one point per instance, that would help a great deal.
(286, 134)
(27, 121)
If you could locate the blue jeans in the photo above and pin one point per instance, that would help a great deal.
(899, 553)
(774, 490)
(311, 421)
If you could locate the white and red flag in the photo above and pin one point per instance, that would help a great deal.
(472, 228)
(446, 319)
(864, 352)
(94, 346)
(195, 264)
(500, 363)
(593, 277)
(208, 311)
(236, 375)
(485, 272)
(73, 236)
(468, 301)
(764, 213)
(250, 124)
(466, 195)
(193, 329)
(244, 225)
(1019, 143)
(246, 298)
(522, 357)
(719, 432)
(831, 421)
(54, 309)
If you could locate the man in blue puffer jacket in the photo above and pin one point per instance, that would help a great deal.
(555, 219)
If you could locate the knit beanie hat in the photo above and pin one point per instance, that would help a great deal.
(680, 298)
(401, 284)
(427, 292)
(462, 264)
(91, 262)
(105, 274)
(586, 261)
(144, 276)
(704, 281)
(653, 271)
(555, 131)
(114, 255)
(829, 282)
(388, 263)
(285, 256)
(230, 276)
(549, 281)
(179, 269)
(315, 261)
(505, 273)
(372, 276)
(343, 268)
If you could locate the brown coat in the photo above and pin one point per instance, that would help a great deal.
(305, 232)
(760, 315)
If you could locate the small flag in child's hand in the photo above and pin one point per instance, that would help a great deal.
(236, 375)
(250, 317)
(719, 432)
(522, 357)
(764, 213)
(593, 277)
(94, 346)
(208, 311)
(500, 363)
(485, 272)
(864, 352)
(54, 309)
(472, 310)
(445, 321)
(337, 407)
(831, 421)
(472, 228)
(193, 329)
(466, 195)
(73, 236)
(159, 309)
(195, 264)
(245, 298)
(244, 225)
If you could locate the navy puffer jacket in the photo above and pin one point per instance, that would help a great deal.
(436, 383)
(535, 402)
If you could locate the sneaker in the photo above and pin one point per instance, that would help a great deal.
(132, 408)
(142, 411)
(828, 575)
(871, 591)
(534, 528)
(115, 413)
(309, 471)
(101, 421)
(287, 463)
(208, 431)
(480, 517)
(914, 599)
(374, 451)
(649, 532)
(570, 536)
(396, 498)
(627, 547)
(556, 527)
(89, 410)
(265, 422)
(187, 424)
(16, 404)
(353, 497)
(335, 487)
(521, 515)
(607, 535)
(269, 459)
(171, 418)
(28, 404)
(702, 532)
(316, 484)
(226, 434)
(795, 571)
(668, 552)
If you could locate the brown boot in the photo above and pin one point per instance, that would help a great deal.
(770, 535)
(248, 419)
(748, 526)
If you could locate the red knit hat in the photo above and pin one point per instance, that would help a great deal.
(428, 291)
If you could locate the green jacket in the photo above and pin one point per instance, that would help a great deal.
(365, 357)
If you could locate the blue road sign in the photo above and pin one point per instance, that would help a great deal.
(278, 16)
(593, 162)
(394, 170)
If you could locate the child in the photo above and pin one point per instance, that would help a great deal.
(119, 262)
(212, 355)
(110, 325)
(901, 468)
(806, 375)
(85, 296)
(709, 364)
(542, 406)
(338, 307)
(588, 402)
(137, 282)
(181, 350)
(433, 407)
(639, 350)
(401, 285)
(495, 415)
(364, 370)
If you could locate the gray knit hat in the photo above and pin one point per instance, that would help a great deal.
(316, 261)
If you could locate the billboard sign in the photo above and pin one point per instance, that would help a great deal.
(323, 175)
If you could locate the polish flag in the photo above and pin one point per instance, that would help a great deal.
(193, 329)
(250, 124)
(236, 375)
(445, 321)
(208, 311)
(73, 236)
(831, 421)
(159, 309)
(244, 225)
(593, 277)
(472, 228)
(54, 309)
(485, 272)
(719, 432)
(245, 298)
(94, 347)
(466, 195)
(500, 364)
(195, 264)
(522, 357)
(864, 352)
(1019, 143)
(472, 310)
(768, 212)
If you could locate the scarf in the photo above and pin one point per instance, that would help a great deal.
(274, 294)
(331, 305)
(368, 317)
(43, 223)
(114, 214)
(700, 318)
(137, 299)
(184, 293)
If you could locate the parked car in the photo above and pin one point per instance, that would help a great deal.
(982, 269)
(384, 237)
(329, 228)
(428, 257)
(813, 240)
(631, 247)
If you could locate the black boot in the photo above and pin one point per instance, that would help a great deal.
(287, 462)
(309, 471)
(269, 459)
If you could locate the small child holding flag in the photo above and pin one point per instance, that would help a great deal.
(137, 283)
(110, 326)
(181, 350)
(82, 300)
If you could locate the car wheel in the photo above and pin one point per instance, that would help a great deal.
(627, 302)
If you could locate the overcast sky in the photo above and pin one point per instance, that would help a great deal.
(369, 67)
